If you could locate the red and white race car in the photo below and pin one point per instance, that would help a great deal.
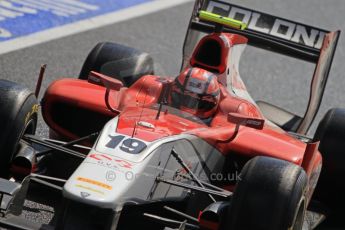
(132, 150)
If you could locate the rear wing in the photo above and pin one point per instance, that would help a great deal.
(278, 35)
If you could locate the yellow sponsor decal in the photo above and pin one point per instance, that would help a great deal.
(94, 182)
(34, 110)
(230, 22)
(90, 189)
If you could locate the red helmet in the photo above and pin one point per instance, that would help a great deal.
(196, 91)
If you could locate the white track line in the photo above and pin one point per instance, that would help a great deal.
(88, 24)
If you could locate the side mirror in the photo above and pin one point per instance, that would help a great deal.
(239, 119)
(109, 83)
(103, 80)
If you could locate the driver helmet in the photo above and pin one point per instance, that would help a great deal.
(197, 92)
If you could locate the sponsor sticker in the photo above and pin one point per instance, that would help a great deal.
(196, 86)
(84, 194)
(90, 189)
(34, 110)
(94, 182)
(108, 161)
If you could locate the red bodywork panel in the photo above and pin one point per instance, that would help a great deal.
(135, 103)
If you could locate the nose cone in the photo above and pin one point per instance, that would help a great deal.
(99, 186)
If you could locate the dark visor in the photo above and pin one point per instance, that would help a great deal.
(191, 102)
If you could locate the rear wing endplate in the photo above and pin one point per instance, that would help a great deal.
(278, 35)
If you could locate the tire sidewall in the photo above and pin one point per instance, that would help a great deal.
(331, 134)
(21, 119)
(127, 58)
(267, 197)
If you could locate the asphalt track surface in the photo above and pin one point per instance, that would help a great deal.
(276, 79)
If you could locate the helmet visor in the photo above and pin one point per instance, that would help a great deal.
(192, 101)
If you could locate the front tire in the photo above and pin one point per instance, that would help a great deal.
(18, 116)
(118, 61)
(270, 196)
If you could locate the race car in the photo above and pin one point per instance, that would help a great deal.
(128, 149)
